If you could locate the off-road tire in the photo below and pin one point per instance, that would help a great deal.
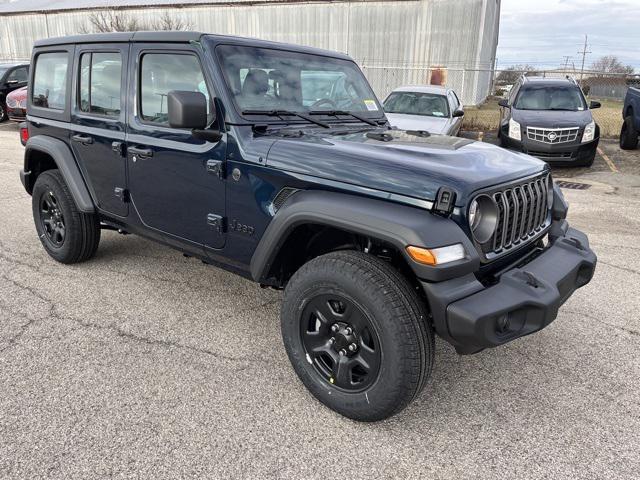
(81, 230)
(398, 316)
(628, 135)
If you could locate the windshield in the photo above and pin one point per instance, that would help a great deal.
(550, 98)
(415, 103)
(263, 79)
(2, 70)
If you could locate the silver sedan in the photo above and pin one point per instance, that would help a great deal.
(432, 108)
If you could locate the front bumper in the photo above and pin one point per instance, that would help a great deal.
(567, 153)
(525, 299)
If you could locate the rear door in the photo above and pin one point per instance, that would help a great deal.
(174, 178)
(98, 120)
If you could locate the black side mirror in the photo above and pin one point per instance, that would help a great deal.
(189, 110)
(458, 113)
(593, 105)
(504, 103)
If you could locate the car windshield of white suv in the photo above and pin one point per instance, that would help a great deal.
(550, 98)
(269, 81)
(416, 103)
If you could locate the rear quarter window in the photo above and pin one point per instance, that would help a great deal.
(50, 80)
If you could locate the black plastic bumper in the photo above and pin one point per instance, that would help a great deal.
(575, 152)
(525, 299)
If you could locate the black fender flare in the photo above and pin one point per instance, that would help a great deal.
(394, 223)
(64, 160)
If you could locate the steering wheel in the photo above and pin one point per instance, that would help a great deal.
(323, 101)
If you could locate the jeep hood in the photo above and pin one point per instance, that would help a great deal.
(397, 162)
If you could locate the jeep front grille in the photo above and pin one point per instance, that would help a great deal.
(523, 214)
(553, 136)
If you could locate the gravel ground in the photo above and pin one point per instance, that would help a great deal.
(144, 364)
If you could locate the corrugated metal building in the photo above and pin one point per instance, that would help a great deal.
(395, 41)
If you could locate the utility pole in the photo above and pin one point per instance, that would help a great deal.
(584, 54)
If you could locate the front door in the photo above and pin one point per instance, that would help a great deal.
(98, 123)
(174, 183)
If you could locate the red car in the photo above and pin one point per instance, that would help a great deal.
(17, 105)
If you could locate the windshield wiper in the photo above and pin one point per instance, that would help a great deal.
(335, 113)
(285, 113)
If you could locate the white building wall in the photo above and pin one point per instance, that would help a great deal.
(396, 42)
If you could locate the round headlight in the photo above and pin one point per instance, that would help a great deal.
(549, 192)
(483, 217)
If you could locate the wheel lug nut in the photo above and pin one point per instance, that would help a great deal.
(348, 330)
(353, 347)
(342, 352)
(332, 340)
(335, 327)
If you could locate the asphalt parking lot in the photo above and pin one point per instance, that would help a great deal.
(144, 364)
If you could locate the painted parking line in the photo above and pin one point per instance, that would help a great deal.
(611, 165)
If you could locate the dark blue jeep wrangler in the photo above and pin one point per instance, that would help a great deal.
(277, 162)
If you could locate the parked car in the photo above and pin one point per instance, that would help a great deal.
(12, 77)
(631, 124)
(430, 108)
(380, 238)
(549, 118)
(17, 105)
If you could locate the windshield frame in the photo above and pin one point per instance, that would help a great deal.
(522, 90)
(251, 119)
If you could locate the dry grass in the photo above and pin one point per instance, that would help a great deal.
(486, 116)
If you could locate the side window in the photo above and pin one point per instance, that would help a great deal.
(50, 80)
(19, 75)
(514, 93)
(100, 80)
(161, 73)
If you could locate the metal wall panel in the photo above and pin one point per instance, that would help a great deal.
(407, 37)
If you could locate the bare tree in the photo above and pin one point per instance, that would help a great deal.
(169, 22)
(611, 64)
(513, 73)
(117, 21)
(111, 21)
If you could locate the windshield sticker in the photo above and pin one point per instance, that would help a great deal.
(437, 114)
(371, 105)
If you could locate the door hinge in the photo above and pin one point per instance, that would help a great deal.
(216, 167)
(217, 222)
(118, 147)
(122, 194)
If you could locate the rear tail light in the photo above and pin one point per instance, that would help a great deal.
(24, 134)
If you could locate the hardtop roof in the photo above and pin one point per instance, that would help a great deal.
(182, 37)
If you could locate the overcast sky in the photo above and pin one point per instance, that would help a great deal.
(540, 32)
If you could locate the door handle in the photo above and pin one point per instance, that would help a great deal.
(83, 139)
(140, 152)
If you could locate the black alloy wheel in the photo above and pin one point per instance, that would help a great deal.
(341, 342)
(52, 219)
